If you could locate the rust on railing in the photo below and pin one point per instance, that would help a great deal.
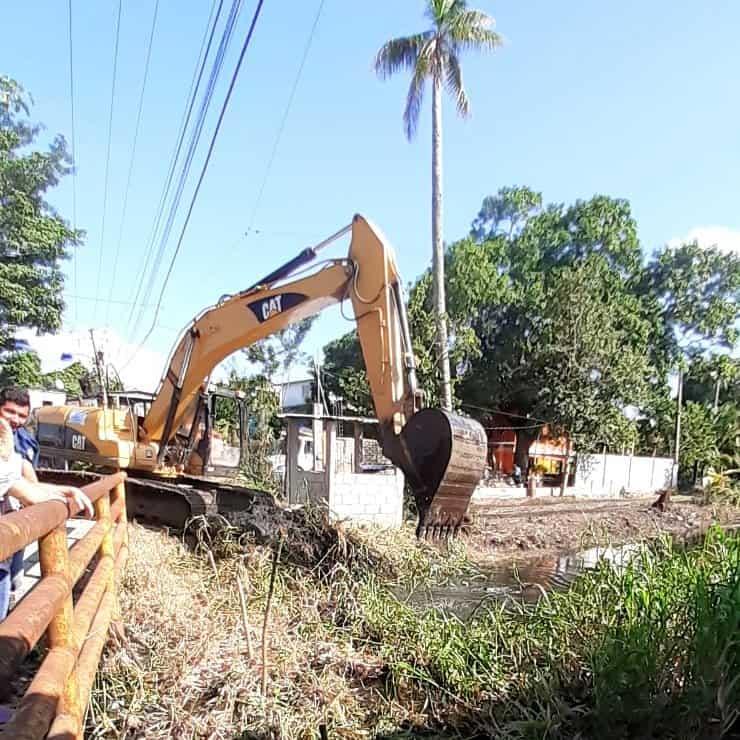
(76, 626)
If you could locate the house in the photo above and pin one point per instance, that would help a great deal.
(296, 395)
(546, 451)
(41, 397)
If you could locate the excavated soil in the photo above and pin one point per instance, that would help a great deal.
(505, 529)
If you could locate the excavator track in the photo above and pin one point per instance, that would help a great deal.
(172, 502)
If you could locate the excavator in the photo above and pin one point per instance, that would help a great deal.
(167, 451)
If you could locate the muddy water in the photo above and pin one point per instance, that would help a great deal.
(517, 579)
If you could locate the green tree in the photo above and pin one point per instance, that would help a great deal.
(33, 237)
(699, 441)
(565, 337)
(713, 379)
(78, 381)
(434, 55)
(343, 374)
(21, 369)
(280, 350)
(694, 293)
(263, 425)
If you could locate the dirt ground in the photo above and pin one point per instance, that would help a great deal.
(506, 528)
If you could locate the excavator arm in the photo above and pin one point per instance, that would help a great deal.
(440, 452)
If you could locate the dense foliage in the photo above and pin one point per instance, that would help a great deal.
(34, 238)
(557, 316)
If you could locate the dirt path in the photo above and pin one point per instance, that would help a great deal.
(506, 528)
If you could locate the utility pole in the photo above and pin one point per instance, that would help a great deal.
(679, 401)
(99, 363)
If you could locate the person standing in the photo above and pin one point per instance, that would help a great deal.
(15, 483)
(15, 408)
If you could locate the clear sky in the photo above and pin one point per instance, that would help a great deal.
(632, 99)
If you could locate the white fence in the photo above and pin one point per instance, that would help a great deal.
(609, 475)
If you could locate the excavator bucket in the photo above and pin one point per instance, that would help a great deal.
(446, 457)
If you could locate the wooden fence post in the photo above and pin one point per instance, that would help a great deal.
(54, 560)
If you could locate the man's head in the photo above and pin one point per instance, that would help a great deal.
(15, 406)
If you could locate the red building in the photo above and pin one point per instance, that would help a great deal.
(545, 451)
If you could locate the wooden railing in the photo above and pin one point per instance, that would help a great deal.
(76, 625)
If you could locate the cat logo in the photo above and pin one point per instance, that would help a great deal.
(266, 308)
(271, 307)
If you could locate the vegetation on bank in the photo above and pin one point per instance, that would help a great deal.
(649, 651)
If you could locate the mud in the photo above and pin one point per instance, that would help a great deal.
(544, 526)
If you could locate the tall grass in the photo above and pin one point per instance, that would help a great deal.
(650, 650)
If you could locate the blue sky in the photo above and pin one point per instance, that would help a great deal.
(630, 99)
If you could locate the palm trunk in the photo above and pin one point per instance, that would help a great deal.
(438, 262)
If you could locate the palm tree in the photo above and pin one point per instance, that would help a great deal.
(435, 55)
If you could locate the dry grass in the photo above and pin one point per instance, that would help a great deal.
(185, 672)
(653, 644)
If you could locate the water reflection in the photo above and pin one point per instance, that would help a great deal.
(518, 579)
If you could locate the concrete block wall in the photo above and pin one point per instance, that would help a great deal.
(367, 498)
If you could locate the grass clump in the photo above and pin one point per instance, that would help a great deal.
(648, 650)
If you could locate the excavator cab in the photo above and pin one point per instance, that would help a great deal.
(214, 442)
(227, 423)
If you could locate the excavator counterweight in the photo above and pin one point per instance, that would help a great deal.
(442, 454)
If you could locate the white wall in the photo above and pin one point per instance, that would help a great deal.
(370, 498)
(599, 476)
(38, 397)
(609, 474)
(358, 497)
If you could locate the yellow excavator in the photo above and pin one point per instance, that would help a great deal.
(168, 449)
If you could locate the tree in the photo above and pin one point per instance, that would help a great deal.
(343, 374)
(22, 369)
(33, 237)
(434, 55)
(564, 342)
(699, 441)
(695, 292)
(713, 380)
(280, 350)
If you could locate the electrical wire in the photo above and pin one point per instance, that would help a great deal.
(115, 302)
(503, 413)
(114, 276)
(107, 158)
(192, 147)
(74, 163)
(284, 120)
(184, 122)
(204, 167)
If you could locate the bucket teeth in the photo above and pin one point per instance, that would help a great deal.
(445, 455)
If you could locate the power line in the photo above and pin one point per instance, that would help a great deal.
(133, 157)
(503, 413)
(200, 64)
(286, 113)
(107, 159)
(78, 297)
(193, 144)
(204, 168)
